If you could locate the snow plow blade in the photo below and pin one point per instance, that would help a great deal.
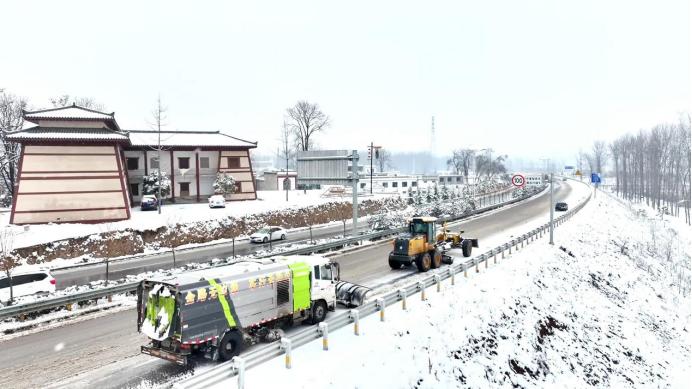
(351, 295)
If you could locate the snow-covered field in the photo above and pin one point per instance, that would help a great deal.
(611, 315)
(171, 214)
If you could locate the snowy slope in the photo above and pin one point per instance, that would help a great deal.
(606, 317)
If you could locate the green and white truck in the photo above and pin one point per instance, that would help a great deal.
(217, 312)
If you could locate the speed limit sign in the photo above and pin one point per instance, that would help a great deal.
(518, 180)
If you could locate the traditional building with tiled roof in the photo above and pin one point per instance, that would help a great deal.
(77, 165)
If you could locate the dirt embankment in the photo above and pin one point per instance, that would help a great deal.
(129, 241)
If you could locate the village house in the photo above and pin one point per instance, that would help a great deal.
(78, 165)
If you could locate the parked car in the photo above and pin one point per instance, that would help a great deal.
(26, 283)
(266, 234)
(149, 202)
(560, 206)
(217, 201)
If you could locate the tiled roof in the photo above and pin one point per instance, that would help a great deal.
(62, 133)
(69, 112)
(187, 139)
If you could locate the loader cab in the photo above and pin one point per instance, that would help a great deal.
(423, 226)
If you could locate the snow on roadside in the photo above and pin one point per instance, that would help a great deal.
(603, 318)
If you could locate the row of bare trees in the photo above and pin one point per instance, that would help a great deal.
(652, 166)
(465, 161)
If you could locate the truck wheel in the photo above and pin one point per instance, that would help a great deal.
(230, 345)
(466, 248)
(436, 259)
(319, 312)
(423, 262)
(394, 264)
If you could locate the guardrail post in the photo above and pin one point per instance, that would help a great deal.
(402, 294)
(355, 317)
(502, 251)
(238, 364)
(421, 286)
(233, 247)
(475, 261)
(523, 238)
(381, 306)
(466, 274)
(437, 281)
(511, 243)
(286, 346)
(451, 274)
(324, 330)
(495, 257)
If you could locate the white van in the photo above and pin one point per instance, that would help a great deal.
(25, 283)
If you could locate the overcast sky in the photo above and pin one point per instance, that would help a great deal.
(527, 78)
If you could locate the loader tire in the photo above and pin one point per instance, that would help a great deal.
(466, 248)
(318, 312)
(394, 265)
(436, 259)
(230, 345)
(423, 262)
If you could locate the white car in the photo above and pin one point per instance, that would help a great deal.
(26, 283)
(217, 201)
(266, 234)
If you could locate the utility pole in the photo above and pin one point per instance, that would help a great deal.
(552, 208)
(354, 178)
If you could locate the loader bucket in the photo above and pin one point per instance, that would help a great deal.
(351, 295)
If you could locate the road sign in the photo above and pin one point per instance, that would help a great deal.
(518, 180)
(595, 178)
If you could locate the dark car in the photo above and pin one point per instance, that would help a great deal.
(148, 203)
(560, 206)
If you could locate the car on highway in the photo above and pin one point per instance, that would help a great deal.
(149, 202)
(561, 206)
(217, 201)
(268, 233)
(26, 283)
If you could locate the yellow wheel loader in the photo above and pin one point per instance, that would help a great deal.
(423, 246)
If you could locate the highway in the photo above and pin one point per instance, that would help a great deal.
(104, 352)
(117, 269)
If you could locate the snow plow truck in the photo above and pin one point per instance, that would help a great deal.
(216, 312)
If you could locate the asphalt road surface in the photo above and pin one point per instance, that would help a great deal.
(104, 352)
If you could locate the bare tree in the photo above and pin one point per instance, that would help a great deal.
(11, 119)
(86, 102)
(7, 260)
(384, 160)
(286, 152)
(599, 156)
(461, 162)
(305, 120)
(159, 115)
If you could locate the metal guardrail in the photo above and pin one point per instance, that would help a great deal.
(45, 304)
(266, 352)
(36, 306)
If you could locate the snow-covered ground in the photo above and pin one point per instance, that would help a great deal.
(171, 214)
(611, 315)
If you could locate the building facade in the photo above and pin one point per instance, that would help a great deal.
(77, 165)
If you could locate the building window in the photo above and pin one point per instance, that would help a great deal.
(204, 162)
(449, 179)
(442, 179)
(362, 185)
(238, 187)
(233, 162)
(395, 184)
(414, 183)
(404, 184)
(458, 179)
(134, 189)
(385, 185)
(183, 163)
(184, 189)
(132, 163)
(154, 162)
